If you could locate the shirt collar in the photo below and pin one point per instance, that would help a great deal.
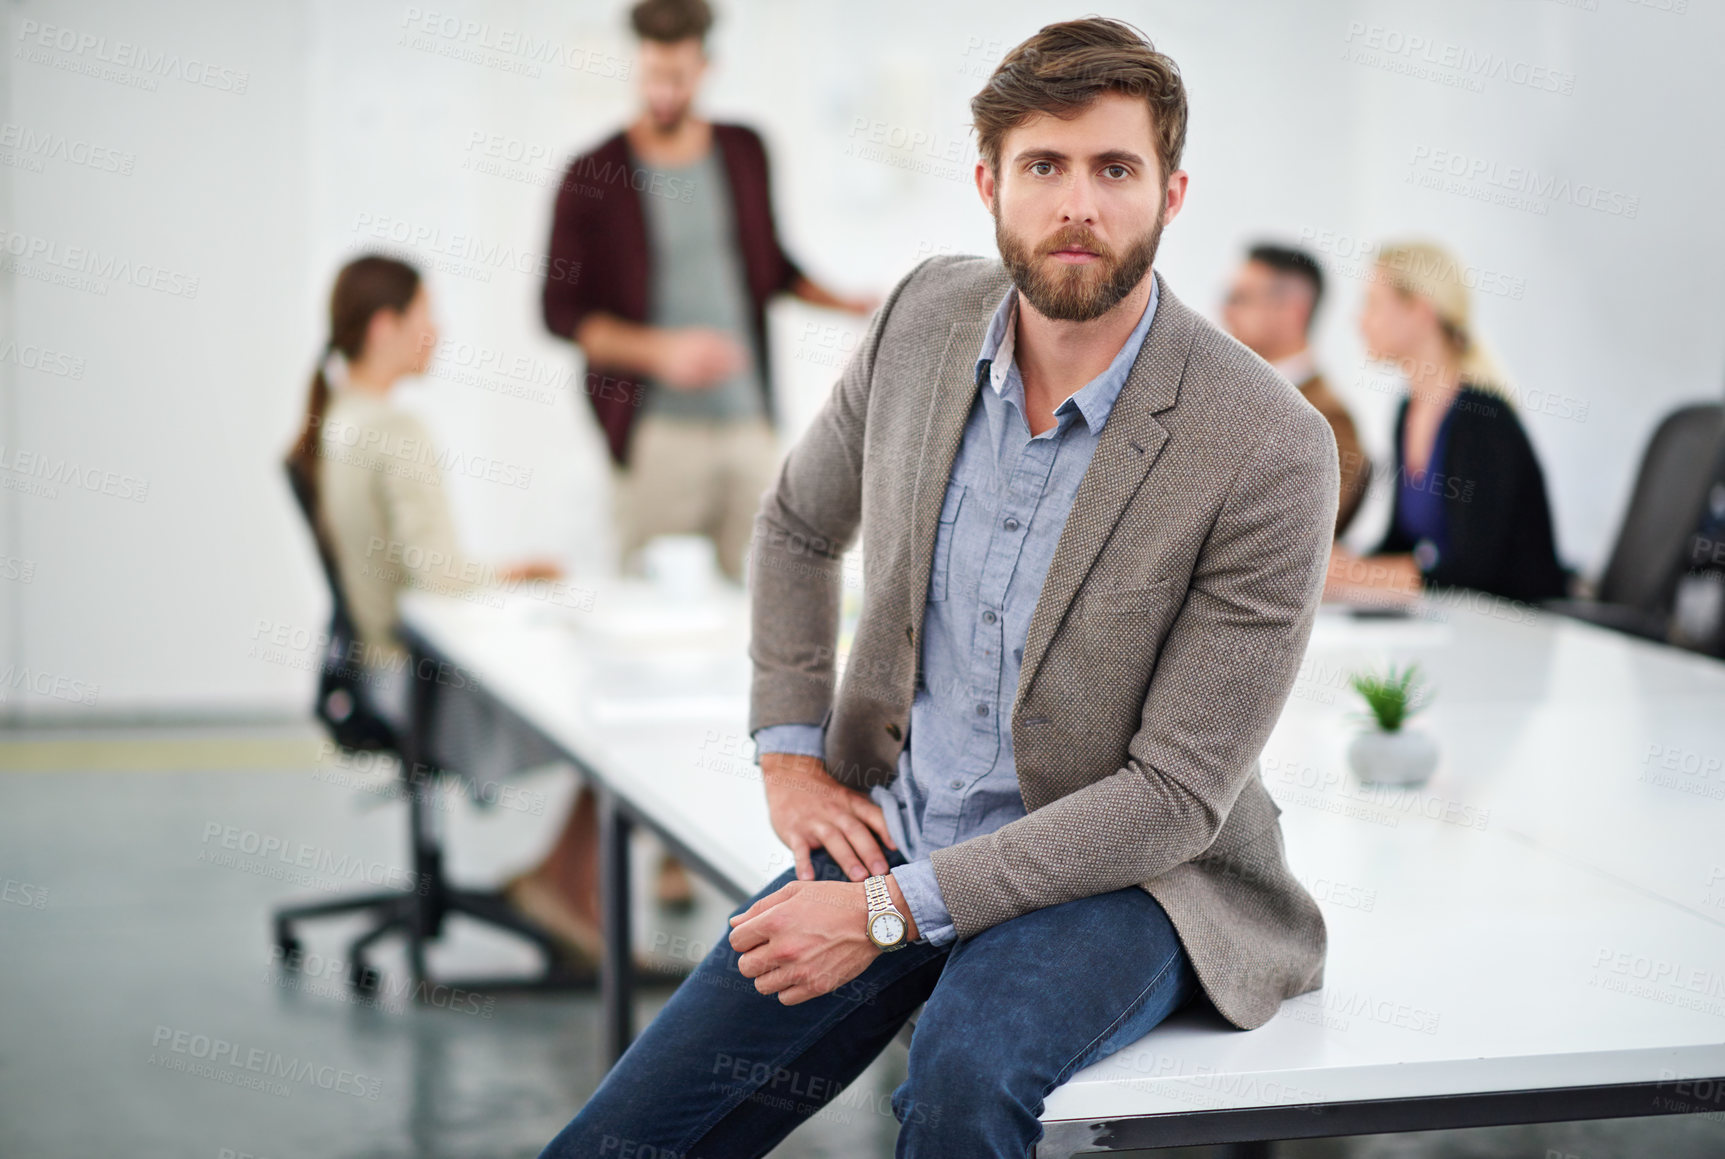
(997, 365)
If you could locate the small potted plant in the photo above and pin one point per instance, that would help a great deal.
(1387, 753)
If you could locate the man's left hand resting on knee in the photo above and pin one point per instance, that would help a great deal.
(810, 937)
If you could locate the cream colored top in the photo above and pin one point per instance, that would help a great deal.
(385, 512)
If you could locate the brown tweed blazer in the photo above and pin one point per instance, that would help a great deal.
(1165, 641)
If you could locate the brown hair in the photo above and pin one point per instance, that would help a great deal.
(364, 286)
(669, 21)
(1065, 67)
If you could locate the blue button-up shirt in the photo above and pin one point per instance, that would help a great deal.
(1006, 501)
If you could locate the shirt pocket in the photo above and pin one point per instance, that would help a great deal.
(944, 533)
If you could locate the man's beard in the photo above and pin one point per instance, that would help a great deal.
(1076, 293)
(669, 127)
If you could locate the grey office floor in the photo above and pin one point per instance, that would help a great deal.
(138, 996)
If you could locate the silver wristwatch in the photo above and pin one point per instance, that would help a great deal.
(886, 926)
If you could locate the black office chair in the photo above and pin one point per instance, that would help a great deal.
(1683, 461)
(344, 707)
(1698, 613)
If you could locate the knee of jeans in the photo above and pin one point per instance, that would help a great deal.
(950, 1082)
(951, 1046)
(826, 869)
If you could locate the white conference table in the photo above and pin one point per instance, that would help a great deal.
(1536, 934)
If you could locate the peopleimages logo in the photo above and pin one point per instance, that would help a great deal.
(18, 677)
(226, 1061)
(29, 250)
(482, 254)
(23, 141)
(511, 49)
(1532, 188)
(42, 360)
(87, 52)
(42, 472)
(1459, 64)
(379, 450)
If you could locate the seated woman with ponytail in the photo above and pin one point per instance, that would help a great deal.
(1470, 507)
(384, 517)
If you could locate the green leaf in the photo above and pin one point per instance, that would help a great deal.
(1391, 697)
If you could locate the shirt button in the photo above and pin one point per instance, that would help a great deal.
(988, 617)
(955, 783)
(982, 710)
(1011, 524)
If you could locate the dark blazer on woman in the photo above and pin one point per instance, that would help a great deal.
(1498, 521)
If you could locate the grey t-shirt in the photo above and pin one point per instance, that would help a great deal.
(697, 279)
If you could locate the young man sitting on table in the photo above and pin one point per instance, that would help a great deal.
(1095, 533)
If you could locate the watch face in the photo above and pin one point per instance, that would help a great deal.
(886, 929)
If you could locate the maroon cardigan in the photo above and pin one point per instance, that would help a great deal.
(599, 230)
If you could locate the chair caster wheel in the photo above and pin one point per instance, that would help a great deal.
(364, 979)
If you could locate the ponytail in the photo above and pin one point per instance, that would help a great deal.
(364, 286)
(304, 455)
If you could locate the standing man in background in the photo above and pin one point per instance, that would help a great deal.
(1270, 308)
(670, 224)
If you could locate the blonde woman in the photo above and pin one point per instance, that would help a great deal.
(1470, 507)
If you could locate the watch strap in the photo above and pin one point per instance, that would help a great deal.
(880, 902)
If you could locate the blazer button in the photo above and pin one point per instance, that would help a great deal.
(892, 730)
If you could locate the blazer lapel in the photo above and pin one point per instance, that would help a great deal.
(1131, 440)
(1130, 443)
(954, 394)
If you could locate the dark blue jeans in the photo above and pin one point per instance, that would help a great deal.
(725, 1072)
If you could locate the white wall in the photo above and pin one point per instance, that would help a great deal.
(353, 117)
(140, 597)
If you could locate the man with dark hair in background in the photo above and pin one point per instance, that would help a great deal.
(670, 223)
(1270, 308)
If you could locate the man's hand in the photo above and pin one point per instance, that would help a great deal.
(532, 569)
(810, 810)
(861, 305)
(809, 938)
(696, 357)
(818, 295)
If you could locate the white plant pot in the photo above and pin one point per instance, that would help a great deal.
(1403, 757)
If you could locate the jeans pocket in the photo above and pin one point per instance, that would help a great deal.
(943, 535)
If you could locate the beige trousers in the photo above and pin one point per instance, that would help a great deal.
(693, 478)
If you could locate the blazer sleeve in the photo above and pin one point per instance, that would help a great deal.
(806, 521)
(566, 300)
(1225, 670)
